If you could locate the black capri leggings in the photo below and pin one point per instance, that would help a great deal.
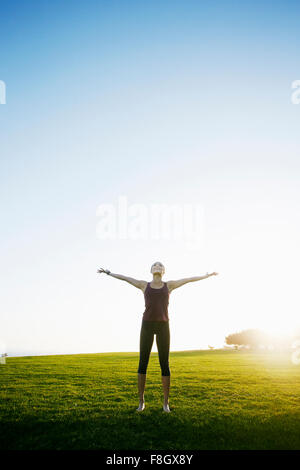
(162, 331)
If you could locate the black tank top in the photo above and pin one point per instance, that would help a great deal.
(156, 303)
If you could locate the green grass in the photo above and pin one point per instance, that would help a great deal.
(219, 400)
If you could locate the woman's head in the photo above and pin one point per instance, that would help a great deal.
(158, 268)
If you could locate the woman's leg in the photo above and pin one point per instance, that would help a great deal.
(163, 346)
(141, 386)
(146, 342)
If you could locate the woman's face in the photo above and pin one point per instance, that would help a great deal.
(158, 268)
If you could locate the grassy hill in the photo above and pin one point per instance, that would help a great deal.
(219, 400)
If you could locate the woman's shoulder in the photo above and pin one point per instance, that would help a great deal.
(169, 285)
(144, 286)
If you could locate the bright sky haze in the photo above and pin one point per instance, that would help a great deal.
(162, 102)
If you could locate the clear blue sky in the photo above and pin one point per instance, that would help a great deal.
(163, 102)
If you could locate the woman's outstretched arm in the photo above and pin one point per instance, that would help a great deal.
(134, 282)
(174, 284)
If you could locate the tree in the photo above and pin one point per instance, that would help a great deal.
(252, 338)
(234, 339)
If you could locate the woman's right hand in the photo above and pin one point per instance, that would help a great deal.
(101, 270)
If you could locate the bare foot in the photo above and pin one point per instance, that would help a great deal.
(141, 406)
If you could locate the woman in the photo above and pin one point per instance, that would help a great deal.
(155, 321)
